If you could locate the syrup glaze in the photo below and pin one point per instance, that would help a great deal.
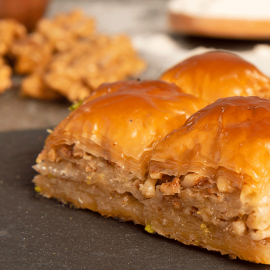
(232, 133)
(123, 121)
(218, 74)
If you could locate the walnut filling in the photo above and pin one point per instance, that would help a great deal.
(148, 189)
(73, 164)
(215, 200)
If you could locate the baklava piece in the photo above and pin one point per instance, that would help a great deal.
(97, 158)
(212, 180)
(218, 74)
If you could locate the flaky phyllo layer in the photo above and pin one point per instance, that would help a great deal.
(195, 209)
(227, 142)
(126, 154)
(123, 121)
(216, 199)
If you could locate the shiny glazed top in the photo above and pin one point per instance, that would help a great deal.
(218, 74)
(123, 121)
(233, 133)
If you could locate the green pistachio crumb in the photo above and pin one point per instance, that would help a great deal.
(76, 105)
(149, 229)
(38, 189)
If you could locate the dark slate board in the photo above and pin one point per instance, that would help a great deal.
(38, 233)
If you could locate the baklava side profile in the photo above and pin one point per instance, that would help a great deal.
(212, 180)
(97, 158)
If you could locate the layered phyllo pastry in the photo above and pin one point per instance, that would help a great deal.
(212, 180)
(97, 158)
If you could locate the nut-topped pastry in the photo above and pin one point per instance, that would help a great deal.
(97, 158)
(212, 179)
(218, 74)
(10, 31)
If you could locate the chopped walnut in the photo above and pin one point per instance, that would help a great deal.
(70, 60)
(59, 34)
(148, 189)
(77, 72)
(65, 57)
(224, 185)
(238, 227)
(33, 86)
(155, 175)
(31, 53)
(191, 180)
(65, 30)
(171, 188)
(10, 30)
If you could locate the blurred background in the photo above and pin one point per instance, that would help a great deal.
(146, 23)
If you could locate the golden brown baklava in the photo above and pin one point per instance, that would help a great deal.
(206, 183)
(218, 74)
(212, 180)
(97, 158)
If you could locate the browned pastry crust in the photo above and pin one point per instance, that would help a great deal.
(141, 111)
(208, 181)
(219, 27)
(97, 158)
(218, 74)
(219, 161)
